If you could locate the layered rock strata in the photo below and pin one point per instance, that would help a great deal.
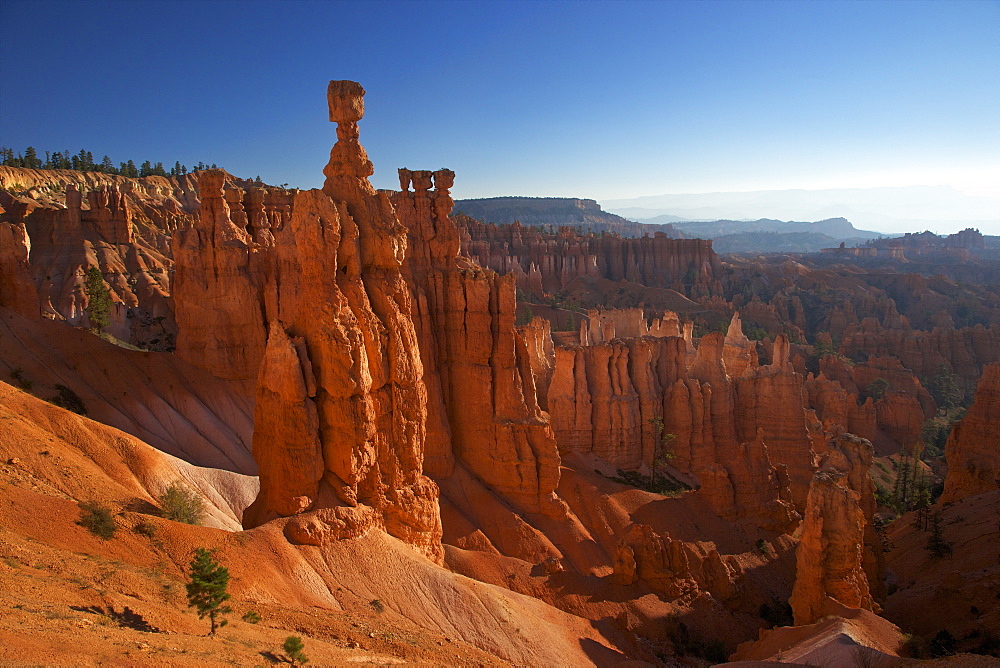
(122, 226)
(17, 285)
(314, 304)
(483, 411)
(973, 448)
(749, 454)
(673, 568)
(837, 546)
(891, 421)
(961, 351)
(546, 263)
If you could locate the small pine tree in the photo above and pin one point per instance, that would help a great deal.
(876, 389)
(98, 299)
(30, 159)
(207, 589)
(662, 453)
(921, 500)
(293, 649)
(936, 543)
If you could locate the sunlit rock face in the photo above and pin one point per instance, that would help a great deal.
(76, 221)
(745, 437)
(837, 545)
(17, 286)
(314, 305)
(972, 451)
(483, 411)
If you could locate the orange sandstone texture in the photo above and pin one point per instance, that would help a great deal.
(745, 438)
(316, 307)
(483, 410)
(79, 220)
(547, 263)
(17, 285)
(973, 448)
(831, 554)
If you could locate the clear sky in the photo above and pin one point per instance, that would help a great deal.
(605, 100)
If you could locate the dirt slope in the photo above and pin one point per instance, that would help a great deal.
(366, 600)
(171, 405)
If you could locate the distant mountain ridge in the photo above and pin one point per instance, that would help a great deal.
(893, 210)
(556, 211)
(832, 228)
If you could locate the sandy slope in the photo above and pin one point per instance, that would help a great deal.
(67, 590)
(156, 397)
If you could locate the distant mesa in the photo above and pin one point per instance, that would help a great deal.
(555, 211)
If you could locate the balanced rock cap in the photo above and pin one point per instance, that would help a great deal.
(346, 100)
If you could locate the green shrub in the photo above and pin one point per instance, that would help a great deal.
(180, 504)
(763, 547)
(293, 649)
(776, 613)
(98, 299)
(97, 520)
(69, 400)
(22, 382)
(252, 617)
(942, 644)
(916, 647)
(146, 529)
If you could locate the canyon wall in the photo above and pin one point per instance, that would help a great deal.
(123, 226)
(744, 437)
(17, 285)
(477, 369)
(547, 263)
(973, 448)
(962, 351)
(838, 552)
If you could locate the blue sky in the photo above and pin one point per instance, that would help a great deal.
(606, 100)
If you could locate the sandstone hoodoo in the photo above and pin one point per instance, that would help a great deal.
(512, 445)
(318, 310)
(831, 555)
(545, 262)
(973, 449)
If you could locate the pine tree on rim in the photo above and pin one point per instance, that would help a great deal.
(207, 589)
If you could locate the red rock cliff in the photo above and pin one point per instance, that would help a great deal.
(546, 263)
(313, 302)
(832, 554)
(745, 439)
(482, 404)
(973, 448)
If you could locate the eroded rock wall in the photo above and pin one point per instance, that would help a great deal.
(484, 412)
(973, 448)
(837, 548)
(312, 302)
(745, 439)
(17, 285)
(546, 263)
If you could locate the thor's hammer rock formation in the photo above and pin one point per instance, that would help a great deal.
(321, 317)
